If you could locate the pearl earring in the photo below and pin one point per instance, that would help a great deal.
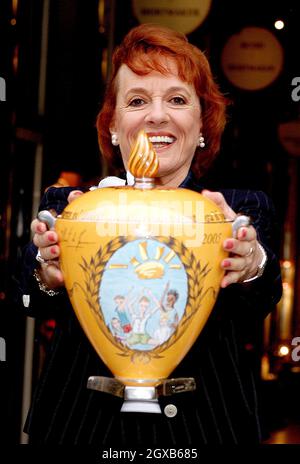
(201, 142)
(114, 140)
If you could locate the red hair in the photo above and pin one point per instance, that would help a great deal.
(145, 49)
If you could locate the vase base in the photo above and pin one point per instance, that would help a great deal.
(142, 398)
(148, 406)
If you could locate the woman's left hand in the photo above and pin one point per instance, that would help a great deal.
(244, 252)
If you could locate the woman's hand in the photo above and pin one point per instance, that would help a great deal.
(46, 241)
(244, 252)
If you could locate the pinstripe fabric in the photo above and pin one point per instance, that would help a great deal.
(223, 409)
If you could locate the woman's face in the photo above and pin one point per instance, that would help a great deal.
(168, 109)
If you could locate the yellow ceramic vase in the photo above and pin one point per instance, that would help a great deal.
(142, 270)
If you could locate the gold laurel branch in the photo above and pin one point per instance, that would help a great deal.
(95, 269)
(103, 257)
(196, 274)
(93, 272)
(142, 356)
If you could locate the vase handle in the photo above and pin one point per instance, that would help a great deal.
(240, 221)
(47, 218)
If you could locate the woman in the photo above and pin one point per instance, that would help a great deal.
(162, 84)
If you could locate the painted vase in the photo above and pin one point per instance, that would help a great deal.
(142, 270)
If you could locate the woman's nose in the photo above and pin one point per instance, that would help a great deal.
(157, 113)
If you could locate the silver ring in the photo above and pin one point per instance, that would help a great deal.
(44, 261)
(249, 252)
(39, 258)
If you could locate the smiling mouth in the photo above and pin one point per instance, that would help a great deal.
(160, 141)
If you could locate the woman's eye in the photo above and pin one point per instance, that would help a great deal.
(136, 102)
(178, 101)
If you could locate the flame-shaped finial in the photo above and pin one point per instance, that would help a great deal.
(143, 160)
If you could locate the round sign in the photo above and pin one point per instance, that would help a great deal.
(289, 136)
(184, 16)
(252, 59)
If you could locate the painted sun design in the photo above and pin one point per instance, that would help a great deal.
(146, 268)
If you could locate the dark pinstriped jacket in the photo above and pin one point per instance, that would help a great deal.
(225, 406)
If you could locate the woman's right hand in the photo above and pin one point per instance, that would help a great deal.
(47, 243)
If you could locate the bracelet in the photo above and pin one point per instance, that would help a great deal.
(260, 267)
(42, 286)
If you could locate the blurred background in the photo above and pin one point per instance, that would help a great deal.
(55, 59)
